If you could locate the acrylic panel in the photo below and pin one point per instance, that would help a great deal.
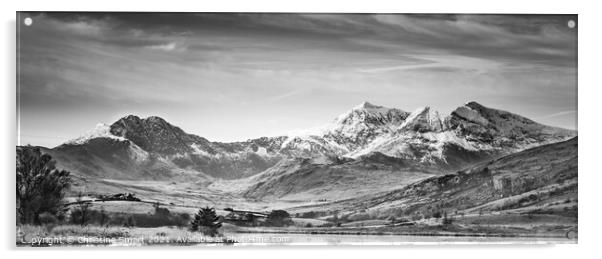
(195, 129)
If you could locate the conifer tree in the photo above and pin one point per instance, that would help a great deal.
(206, 221)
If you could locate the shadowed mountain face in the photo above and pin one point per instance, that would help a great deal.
(152, 148)
(154, 134)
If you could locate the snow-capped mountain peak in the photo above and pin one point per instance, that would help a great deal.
(367, 105)
(364, 123)
(154, 134)
(367, 113)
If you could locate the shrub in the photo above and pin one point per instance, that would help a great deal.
(309, 214)
(103, 218)
(446, 220)
(278, 218)
(138, 219)
(416, 217)
(130, 222)
(81, 214)
(48, 220)
(164, 212)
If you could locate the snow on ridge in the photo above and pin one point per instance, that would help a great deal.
(262, 151)
(441, 138)
(101, 130)
(301, 138)
(339, 126)
(197, 150)
(313, 131)
(413, 116)
(371, 107)
(367, 108)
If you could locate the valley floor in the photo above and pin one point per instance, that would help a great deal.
(521, 198)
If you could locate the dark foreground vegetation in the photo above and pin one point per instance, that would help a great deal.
(40, 187)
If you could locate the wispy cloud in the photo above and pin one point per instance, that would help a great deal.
(165, 47)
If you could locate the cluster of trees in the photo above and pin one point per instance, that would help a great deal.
(40, 186)
(82, 215)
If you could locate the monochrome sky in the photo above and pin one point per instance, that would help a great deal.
(231, 77)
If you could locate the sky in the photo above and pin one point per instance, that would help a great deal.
(236, 76)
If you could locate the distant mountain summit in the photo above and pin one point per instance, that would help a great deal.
(154, 134)
(152, 148)
(362, 124)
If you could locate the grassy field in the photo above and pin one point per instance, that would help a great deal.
(487, 226)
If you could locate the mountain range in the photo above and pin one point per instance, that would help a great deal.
(153, 149)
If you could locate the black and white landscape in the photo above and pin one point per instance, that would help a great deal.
(298, 146)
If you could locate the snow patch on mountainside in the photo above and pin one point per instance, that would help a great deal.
(449, 137)
(407, 145)
(306, 133)
(196, 149)
(101, 130)
(262, 151)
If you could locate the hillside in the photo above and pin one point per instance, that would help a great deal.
(333, 179)
(541, 180)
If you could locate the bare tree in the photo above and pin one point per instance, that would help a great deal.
(80, 214)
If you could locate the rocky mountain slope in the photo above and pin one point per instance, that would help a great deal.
(540, 180)
(152, 148)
